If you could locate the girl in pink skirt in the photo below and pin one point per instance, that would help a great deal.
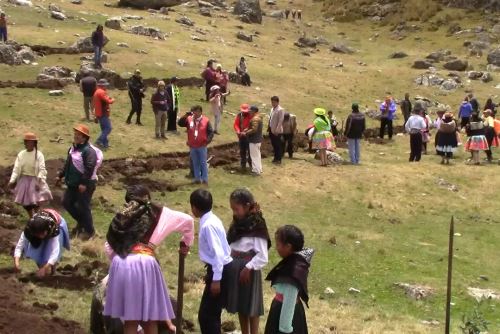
(28, 179)
(137, 293)
(477, 140)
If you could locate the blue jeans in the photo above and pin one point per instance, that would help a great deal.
(200, 167)
(3, 34)
(97, 55)
(354, 151)
(105, 124)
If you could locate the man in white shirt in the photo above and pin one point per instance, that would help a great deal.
(414, 126)
(214, 251)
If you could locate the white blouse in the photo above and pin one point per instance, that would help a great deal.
(258, 245)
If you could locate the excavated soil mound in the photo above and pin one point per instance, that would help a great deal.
(9, 233)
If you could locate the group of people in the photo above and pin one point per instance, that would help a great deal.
(136, 293)
(295, 13)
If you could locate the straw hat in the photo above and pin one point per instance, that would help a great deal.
(320, 111)
(83, 129)
(244, 107)
(30, 136)
(214, 88)
(161, 83)
(448, 114)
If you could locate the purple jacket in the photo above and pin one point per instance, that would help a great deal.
(389, 114)
(465, 110)
(98, 38)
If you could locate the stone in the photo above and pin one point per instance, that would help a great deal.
(249, 11)
(421, 64)
(204, 11)
(122, 45)
(21, 3)
(456, 65)
(114, 79)
(480, 294)
(133, 17)
(417, 292)
(181, 62)
(54, 7)
(329, 291)
(494, 57)
(206, 4)
(276, 14)
(185, 21)
(56, 92)
(496, 29)
(271, 2)
(428, 80)
(397, 55)
(9, 55)
(306, 42)
(474, 75)
(104, 57)
(147, 31)
(449, 84)
(58, 15)
(114, 23)
(438, 55)
(342, 48)
(486, 77)
(154, 4)
(244, 37)
(26, 54)
(76, 2)
(198, 38)
(454, 28)
(84, 45)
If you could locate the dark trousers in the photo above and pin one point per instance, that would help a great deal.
(245, 152)
(209, 314)
(464, 121)
(3, 34)
(78, 206)
(172, 120)
(288, 144)
(415, 146)
(245, 79)
(136, 109)
(385, 123)
(277, 144)
(406, 117)
(208, 85)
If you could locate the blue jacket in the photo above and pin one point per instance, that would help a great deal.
(389, 114)
(465, 110)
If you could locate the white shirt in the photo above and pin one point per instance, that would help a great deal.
(415, 122)
(258, 245)
(53, 247)
(212, 244)
(26, 164)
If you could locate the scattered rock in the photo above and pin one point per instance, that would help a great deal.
(147, 31)
(433, 323)
(438, 55)
(332, 157)
(21, 3)
(397, 55)
(445, 184)
(154, 4)
(26, 54)
(9, 55)
(454, 28)
(56, 93)
(204, 11)
(494, 57)
(486, 77)
(416, 292)
(456, 65)
(354, 290)
(341, 48)
(198, 38)
(329, 291)
(244, 37)
(114, 23)
(84, 45)
(449, 84)
(421, 64)
(76, 2)
(306, 42)
(249, 11)
(185, 21)
(480, 294)
(58, 15)
(133, 17)
(181, 62)
(122, 45)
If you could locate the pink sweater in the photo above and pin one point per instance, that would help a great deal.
(170, 221)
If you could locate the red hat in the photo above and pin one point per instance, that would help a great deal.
(82, 129)
(245, 107)
(30, 136)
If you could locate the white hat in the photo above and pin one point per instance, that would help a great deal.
(214, 88)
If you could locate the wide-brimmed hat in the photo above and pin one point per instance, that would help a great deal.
(83, 129)
(319, 111)
(30, 136)
(161, 83)
(103, 82)
(137, 71)
(244, 107)
(488, 111)
(448, 114)
(214, 88)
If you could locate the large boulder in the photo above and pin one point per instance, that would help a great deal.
(114, 79)
(147, 31)
(84, 45)
(456, 65)
(9, 55)
(449, 84)
(494, 57)
(27, 54)
(342, 48)
(248, 10)
(21, 2)
(244, 37)
(114, 23)
(421, 64)
(57, 15)
(154, 4)
(306, 42)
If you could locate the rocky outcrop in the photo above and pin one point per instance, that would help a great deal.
(421, 64)
(303, 42)
(493, 5)
(150, 4)
(9, 55)
(84, 45)
(244, 37)
(494, 57)
(249, 11)
(342, 48)
(114, 23)
(147, 31)
(456, 65)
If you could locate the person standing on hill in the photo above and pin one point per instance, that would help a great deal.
(3, 28)
(136, 93)
(491, 106)
(489, 133)
(217, 107)
(299, 14)
(477, 140)
(322, 136)
(388, 109)
(102, 104)
(241, 124)
(98, 43)
(289, 131)
(287, 13)
(88, 85)
(415, 125)
(254, 135)
(209, 76)
(447, 139)
(465, 112)
(160, 103)
(406, 107)
(354, 129)
(174, 95)
(474, 103)
(275, 129)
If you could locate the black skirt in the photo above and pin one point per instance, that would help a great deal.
(299, 322)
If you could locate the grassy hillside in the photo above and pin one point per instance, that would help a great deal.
(389, 218)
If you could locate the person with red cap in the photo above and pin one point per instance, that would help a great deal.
(28, 178)
(80, 176)
(241, 124)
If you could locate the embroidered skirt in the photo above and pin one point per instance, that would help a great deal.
(137, 290)
(246, 299)
(41, 255)
(476, 143)
(322, 140)
(299, 322)
(26, 194)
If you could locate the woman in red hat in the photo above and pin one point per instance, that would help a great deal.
(28, 179)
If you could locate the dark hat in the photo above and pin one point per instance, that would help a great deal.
(254, 109)
(103, 82)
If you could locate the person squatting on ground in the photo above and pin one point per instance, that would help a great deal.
(415, 125)
(242, 70)
(289, 279)
(80, 177)
(322, 136)
(136, 90)
(447, 138)
(241, 125)
(88, 86)
(43, 240)
(215, 253)
(388, 110)
(217, 106)
(477, 140)
(98, 43)
(254, 136)
(174, 96)
(3, 28)
(102, 112)
(249, 241)
(160, 103)
(275, 129)
(136, 292)
(29, 176)
(289, 131)
(199, 135)
(354, 128)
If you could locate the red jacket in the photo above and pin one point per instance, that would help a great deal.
(200, 133)
(242, 123)
(101, 102)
